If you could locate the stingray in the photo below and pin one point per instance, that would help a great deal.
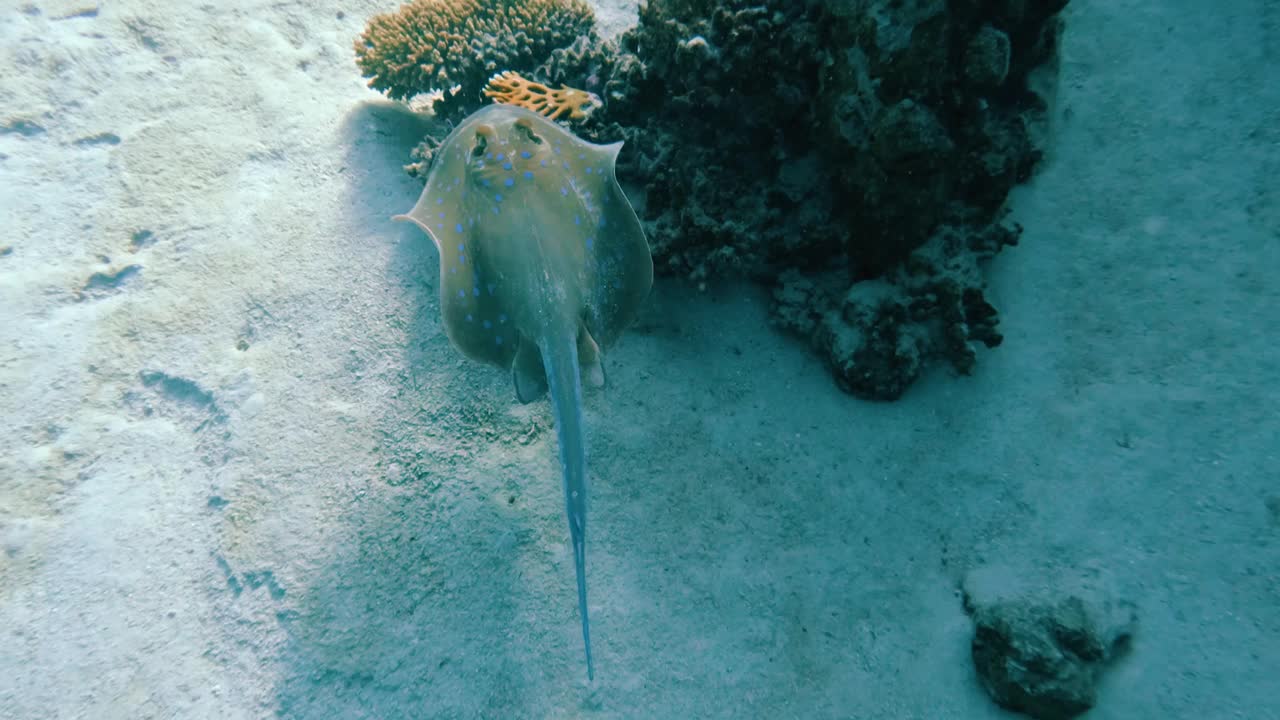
(542, 263)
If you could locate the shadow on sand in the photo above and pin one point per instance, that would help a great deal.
(412, 614)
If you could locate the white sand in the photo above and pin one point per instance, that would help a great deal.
(760, 544)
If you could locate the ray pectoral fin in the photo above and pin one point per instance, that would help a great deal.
(622, 262)
(412, 219)
(419, 214)
(419, 218)
(590, 360)
(528, 373)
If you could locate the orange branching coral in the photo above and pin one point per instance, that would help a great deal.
(513, 89)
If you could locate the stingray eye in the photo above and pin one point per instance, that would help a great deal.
(525, 130)
(484, 134)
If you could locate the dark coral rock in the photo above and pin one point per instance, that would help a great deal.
(1045, 634)
(1044, 659)
(879, 334)
(1025, 667)
(776, 135)
(717, 102)
(986, 59)
(874, 350)
(904, 183)
(962, 65)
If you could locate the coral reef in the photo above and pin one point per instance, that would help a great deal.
(931, 114)
(853, 154)
(513, 89)
(715, 100)
(455, 46)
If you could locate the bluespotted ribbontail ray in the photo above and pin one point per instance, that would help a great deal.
(542, 263)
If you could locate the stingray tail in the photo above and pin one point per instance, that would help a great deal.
(560, 360)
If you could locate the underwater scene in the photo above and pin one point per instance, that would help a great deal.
(670, 359)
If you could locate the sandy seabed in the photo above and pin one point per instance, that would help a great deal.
(245, 475)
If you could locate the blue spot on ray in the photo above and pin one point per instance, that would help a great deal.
(462, 293)
(528, 174)
(498, 197)
(487, 324)
(439, 201)
(500, 156)
(506, 166)
(589, 171)
(497, 340)
(543, 163)
(564, 191)
(508, 182)
(502, 318)
(458, 228)
(469, 318)
(526, 154)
